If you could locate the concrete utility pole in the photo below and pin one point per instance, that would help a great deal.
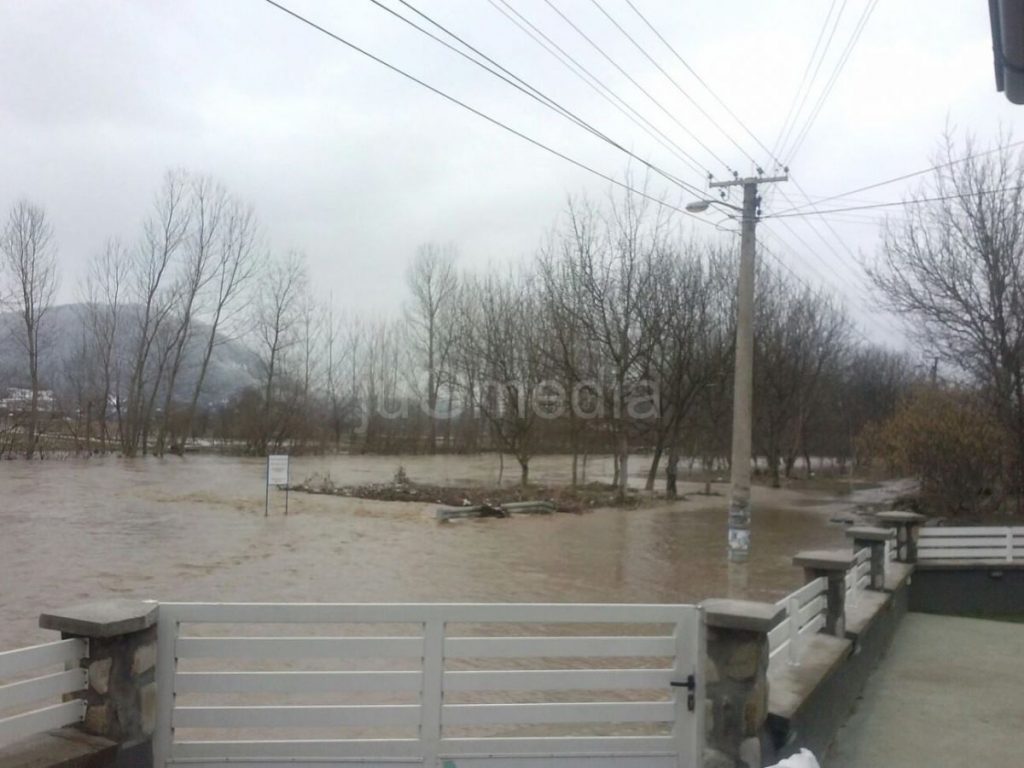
(743, 386)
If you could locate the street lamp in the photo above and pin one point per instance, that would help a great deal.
(743, 378)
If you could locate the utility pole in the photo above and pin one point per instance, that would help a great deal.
(743, 384)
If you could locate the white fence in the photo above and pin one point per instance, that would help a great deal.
(805, 610)
(505, 685)
(805, 615)
(32, 686)
(987, 544)
(859, 576)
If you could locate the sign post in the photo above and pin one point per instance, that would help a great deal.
(278, 473)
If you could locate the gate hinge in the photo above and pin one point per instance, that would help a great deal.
(690, 685)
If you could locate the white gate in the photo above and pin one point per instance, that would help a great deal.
(437, 685)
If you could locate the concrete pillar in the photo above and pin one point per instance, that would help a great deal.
(832, 565)
(906, 525)
(736, 674)
(874, 539)
(121, 697)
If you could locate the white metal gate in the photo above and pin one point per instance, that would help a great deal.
(438, 685)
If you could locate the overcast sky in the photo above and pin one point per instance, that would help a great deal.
(355, 165)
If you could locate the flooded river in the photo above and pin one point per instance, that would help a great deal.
(194, 529)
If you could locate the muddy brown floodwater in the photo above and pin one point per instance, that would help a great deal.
(194, 529)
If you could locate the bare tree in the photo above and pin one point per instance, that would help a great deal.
(340, 349)
(954, 266)
(236, 262)
(275, 320)
(103, 296)
(433, 283)
(152, 272)
(208, 205)
(798, 334)
(611, 262)
(568, 348)
(29, 261)
(508, 345)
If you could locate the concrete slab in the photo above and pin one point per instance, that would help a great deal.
(824, 560)
(742, 614)
(106, 618)
(870, 533)
(947, 693)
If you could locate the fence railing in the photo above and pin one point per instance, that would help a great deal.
(985, 543)
(415, 684)
(805, 615)
(859, 576)
(32, 688)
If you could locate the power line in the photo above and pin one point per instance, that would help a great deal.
(841, 64)
(643, 90)
(916, 201)
(525, 88)
(831, 229)
(584, 74)
(478, 113)
(702, 81)
(868, 316)
(859, 294)
(671, 79)
(905, 176)
(794, 111)
(855, 324)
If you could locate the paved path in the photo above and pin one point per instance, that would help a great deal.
(950, 692)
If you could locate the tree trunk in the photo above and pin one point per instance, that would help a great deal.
(652, 473)
(623, 465)
(671, 471)
(776, 480)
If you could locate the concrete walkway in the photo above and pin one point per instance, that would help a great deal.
(950, 692)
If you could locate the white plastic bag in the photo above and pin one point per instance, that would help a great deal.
(803, 759)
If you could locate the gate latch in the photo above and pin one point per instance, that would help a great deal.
(690, 685)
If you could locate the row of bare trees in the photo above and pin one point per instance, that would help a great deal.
(617, 337)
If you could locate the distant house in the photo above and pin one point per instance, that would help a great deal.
(18, 399)
(1007, 17)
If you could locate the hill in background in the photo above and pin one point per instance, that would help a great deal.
(232, 366)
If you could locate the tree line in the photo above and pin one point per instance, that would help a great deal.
(615, 337)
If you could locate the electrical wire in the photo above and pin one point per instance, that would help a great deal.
(869, 9)
(794, 112)
(905, 176)
(701, 80)
(525, 88)
(672, 80)
(478, 113)
(916, 201)
(584, 74)
(639, 87)
(842, 242)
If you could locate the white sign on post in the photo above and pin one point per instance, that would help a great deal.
(277, 474)
(277, 470)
